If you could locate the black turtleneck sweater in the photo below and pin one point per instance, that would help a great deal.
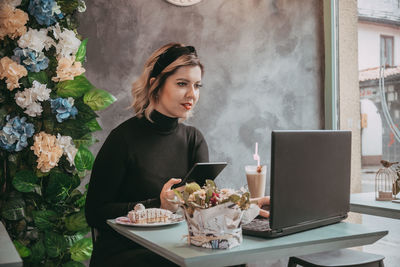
(135, 161)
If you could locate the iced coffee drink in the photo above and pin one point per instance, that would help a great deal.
(256, 179)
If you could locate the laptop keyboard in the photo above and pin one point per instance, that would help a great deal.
(258, 225)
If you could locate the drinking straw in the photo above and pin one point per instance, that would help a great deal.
(256, 156)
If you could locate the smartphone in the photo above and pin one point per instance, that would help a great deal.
(202, 170)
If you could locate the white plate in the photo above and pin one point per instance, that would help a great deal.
(125, 221)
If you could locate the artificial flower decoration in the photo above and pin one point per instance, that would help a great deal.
(28, 99)
(47, 150)
(12, 72)
(68, 44)
(39, 91)
(36, 40)
(67, 69)
(64, 108)
(13, 3)
(81, 6)
(33, 61)
(12, 21)
(15, 133)
(46, 12)
(66, 143)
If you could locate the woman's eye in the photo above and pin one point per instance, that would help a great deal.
(181, 83)
(198, 86)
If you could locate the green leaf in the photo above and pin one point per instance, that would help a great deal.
(38, 76)
(81, 53)
(209, 193)
(86, 140)
(73, 128)
(178, 194)
(84, 159)
(60, 184)
(74, 264)
(74, 88)
(24, 81)
(72, 239)
(98, 99)
(38, 251)
(93, 125)
(191, 187)
(13, 209)
(76, 181)
(82, 174)
(48, 125)
(55, 244)
(81, 201)
(234, 198)
(45, 219)
(76, 221)
(210, 183)
(40, 174)
(25, 181)
(23, 251)
(85, 113)
(82, 250)
(68, 6)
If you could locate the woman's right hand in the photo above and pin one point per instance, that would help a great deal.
(168, 194)
(262, 201)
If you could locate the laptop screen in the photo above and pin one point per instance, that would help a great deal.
(310, 176)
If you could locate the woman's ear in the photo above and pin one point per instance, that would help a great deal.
(152, 79)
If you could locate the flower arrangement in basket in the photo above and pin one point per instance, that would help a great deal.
(213, 215)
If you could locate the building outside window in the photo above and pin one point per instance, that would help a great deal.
(387, 49)
(379, 82)
(379, 59)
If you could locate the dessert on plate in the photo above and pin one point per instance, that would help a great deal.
(141, 215)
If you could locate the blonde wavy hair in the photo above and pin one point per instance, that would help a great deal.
(145, 93)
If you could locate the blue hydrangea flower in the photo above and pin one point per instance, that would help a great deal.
(33, 61)
(64, 108)
(46, 12)
(15, 133)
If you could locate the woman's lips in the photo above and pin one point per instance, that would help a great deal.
(187, 106)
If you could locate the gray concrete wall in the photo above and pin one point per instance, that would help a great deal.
(264, 67)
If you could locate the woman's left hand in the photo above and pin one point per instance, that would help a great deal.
(168, 194)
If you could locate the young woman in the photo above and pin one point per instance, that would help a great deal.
(139, 158)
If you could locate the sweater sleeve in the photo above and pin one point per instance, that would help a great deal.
(107, 175)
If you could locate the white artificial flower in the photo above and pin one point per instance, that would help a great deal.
(82, 6)
(65, 142)
(36, 40)
(28, 99)
(24, 98)
(56, 9)
(71, 101)
(34, 109)
(68, 44)
(40, 91)
(13, 3)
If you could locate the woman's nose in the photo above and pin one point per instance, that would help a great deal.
(191, 91)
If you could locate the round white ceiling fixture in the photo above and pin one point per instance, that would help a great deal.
(183, 2)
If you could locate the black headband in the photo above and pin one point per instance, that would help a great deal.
(170, 56)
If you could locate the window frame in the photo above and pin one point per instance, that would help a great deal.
(384, 38)
(331, 84)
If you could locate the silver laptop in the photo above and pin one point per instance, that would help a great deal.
(310, 182)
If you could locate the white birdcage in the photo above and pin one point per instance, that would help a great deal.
(384, 180)
(396, 186)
